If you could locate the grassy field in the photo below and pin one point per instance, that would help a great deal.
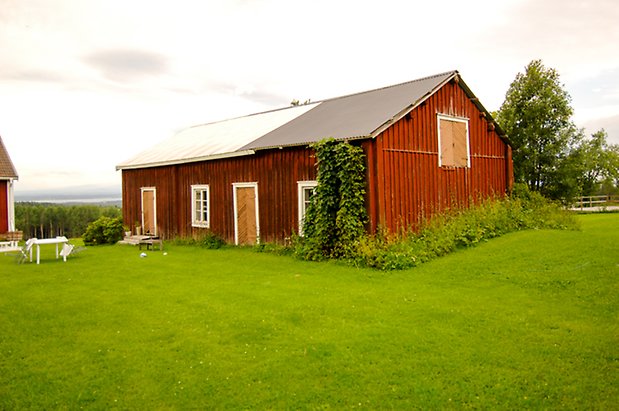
(529, 320)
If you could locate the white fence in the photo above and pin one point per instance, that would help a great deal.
(595, 201)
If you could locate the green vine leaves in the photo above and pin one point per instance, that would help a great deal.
(336, 217)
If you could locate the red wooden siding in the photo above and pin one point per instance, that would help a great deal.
(275, 171)
(4, 206)
(406, 184)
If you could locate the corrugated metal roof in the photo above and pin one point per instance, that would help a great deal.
(358, 115)
(214, 140)
(361, 115)
(7, 169)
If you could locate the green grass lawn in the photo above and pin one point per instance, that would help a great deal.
(528, 320)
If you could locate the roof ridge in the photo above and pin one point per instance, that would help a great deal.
(391, 86)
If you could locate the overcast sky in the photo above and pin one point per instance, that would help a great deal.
(85, 85)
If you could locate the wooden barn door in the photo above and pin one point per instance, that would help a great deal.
(149, 211)
(246, 224)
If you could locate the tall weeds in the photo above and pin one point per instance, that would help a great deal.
(461, 228)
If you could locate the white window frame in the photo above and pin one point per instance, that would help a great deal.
(301, 187)
(464, 120)
(203, 188)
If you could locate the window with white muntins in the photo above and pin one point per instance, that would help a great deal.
(200, 206)
(306, 190)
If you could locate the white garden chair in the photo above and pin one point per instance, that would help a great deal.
(66, 251)
(26, 251)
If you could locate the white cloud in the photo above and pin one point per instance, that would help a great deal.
(125, 65)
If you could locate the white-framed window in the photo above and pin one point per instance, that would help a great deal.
(453, 141)
(306, 190)
(200, 207)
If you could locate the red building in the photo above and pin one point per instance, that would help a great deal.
(429, 145)
(7, 176)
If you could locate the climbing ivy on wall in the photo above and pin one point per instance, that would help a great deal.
(335, 219)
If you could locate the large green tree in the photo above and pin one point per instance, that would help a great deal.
(536, 117)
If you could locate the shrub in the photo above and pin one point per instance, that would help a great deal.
(104, 230)
(211, 241)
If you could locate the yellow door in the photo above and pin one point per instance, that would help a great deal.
(246, 215)
(149, 212)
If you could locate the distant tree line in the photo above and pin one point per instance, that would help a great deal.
(44, 220)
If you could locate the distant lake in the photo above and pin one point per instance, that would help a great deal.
(71, 196)
(106, 200)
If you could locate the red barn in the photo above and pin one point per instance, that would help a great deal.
(429, 145)
(7, 176)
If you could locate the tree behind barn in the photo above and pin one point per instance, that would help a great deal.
(536, 117)
(550, 154)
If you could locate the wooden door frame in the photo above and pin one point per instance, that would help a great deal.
(154, 190)
(253, 185)
(11, 204)
(6, 207)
